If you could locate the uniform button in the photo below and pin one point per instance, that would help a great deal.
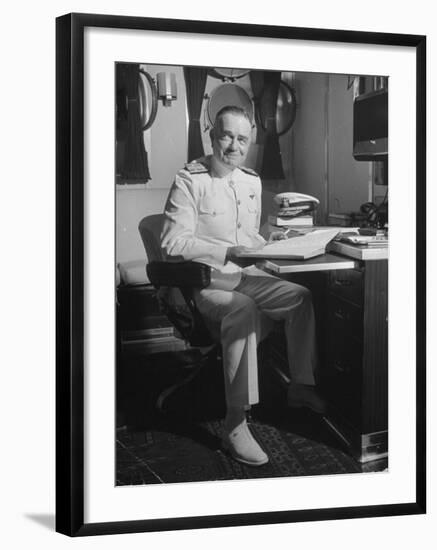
(239, 225)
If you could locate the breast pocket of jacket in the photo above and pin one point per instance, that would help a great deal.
(211, 208)
(252, 212)
(212, 219)
(252, 207)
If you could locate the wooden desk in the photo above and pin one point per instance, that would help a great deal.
(350, 300)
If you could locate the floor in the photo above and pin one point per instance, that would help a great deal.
(184, 443)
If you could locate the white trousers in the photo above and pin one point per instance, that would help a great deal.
(244, 316)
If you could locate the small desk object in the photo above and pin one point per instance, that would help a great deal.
(350, 299)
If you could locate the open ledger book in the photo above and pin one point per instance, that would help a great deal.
(295, 248)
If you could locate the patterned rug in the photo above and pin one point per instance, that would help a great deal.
(187, 452)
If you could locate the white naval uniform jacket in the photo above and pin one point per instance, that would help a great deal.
(204, 215)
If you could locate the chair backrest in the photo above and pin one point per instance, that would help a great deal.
(150, 229)
(179, 306)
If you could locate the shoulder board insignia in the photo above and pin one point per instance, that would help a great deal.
(248, 171)
(196, 167)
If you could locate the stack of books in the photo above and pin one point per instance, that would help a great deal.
(156, 336)
(291, 221)
(293, 209)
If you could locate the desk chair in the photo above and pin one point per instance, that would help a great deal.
(173, 281)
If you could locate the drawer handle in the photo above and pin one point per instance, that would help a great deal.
(343, 282)
(341, 367)
(338, 366)
(342, 315)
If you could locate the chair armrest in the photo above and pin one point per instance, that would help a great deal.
(179, 274)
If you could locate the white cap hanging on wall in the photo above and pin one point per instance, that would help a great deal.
(166, 88)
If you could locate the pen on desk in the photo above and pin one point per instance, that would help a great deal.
(292, 230)
(295, 232)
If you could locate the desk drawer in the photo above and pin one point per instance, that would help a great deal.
(344, 355)
(341, 377)
(347, 284)
(345, 318)
(344, 336)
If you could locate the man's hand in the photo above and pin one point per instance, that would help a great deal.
(277, 236)
(233, 252)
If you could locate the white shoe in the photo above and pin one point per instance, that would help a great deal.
(243, 447)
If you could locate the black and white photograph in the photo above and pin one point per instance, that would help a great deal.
(218, 275)
(240, 275)
(251, 281)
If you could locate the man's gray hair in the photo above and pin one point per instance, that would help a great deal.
(232, 110)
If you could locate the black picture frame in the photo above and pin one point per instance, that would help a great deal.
(70, 273)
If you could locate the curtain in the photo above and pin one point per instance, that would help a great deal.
(195, 82)
(133, 164)
(272, 163)
(257, 83)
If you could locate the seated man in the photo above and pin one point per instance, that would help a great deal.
(213, 214)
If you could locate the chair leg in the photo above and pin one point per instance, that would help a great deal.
(208, 354)
(164, 395)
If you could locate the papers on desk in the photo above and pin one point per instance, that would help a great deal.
(295, 248)
(367, 240)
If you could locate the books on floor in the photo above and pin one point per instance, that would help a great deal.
(155, 345)
(156, 335)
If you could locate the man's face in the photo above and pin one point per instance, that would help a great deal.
(231, 139)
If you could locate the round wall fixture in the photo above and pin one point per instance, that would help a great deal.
(229, 74)
(228, 94)
(148, 95)
(285, 109)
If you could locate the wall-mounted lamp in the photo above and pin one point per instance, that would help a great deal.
(166, 88)
(150, 91)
